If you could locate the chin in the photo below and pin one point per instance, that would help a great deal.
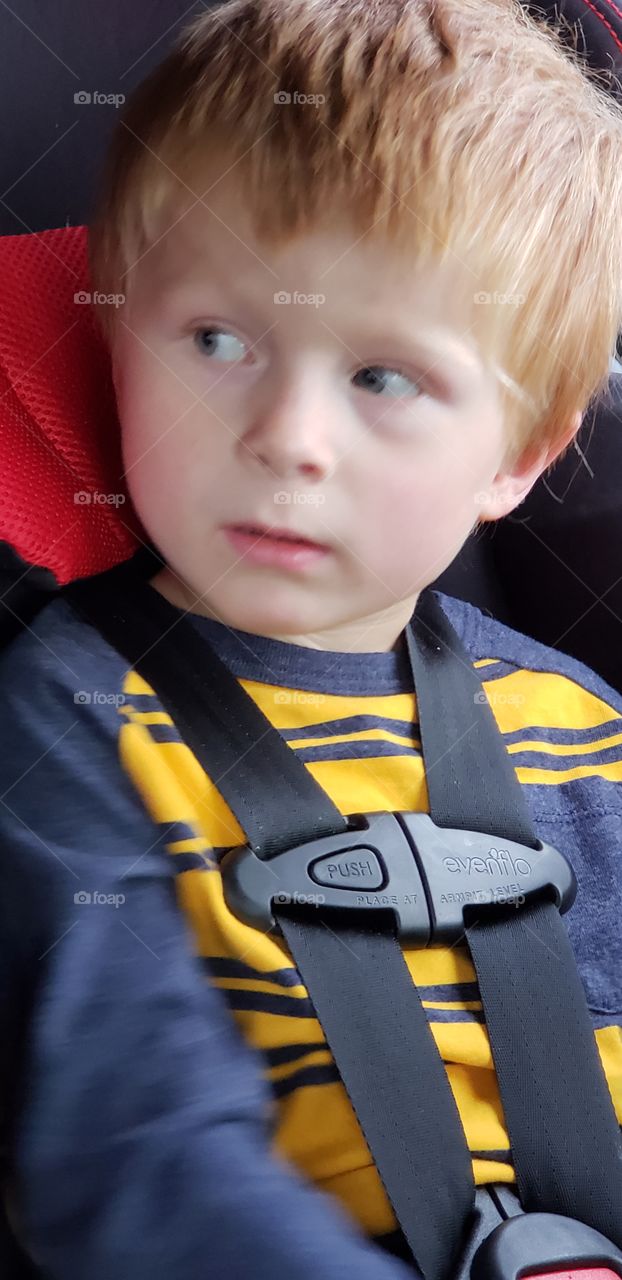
(259, 607)
(266, 617)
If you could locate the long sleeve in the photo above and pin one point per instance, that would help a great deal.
(140, 1145)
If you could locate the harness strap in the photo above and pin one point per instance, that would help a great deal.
(383, 1049)
(564, 1135)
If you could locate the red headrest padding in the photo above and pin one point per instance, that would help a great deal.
(63, 502)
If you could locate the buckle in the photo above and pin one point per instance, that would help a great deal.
(428, 876)
(546, 1246)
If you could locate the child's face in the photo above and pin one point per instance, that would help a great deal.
(274, 418)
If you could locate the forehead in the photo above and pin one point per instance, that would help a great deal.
(212, 242)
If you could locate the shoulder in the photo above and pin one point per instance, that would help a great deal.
(502, 650)
(55, 652)
(61, 687)
(562, 727)
(64, 795)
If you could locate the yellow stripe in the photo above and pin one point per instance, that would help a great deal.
(459, 1005)
(193, 844)
(360, 735)
(565, 749)
(319, 1057)
(299, 713)
(255, 1024)
(609, 1043)
(439, 966)
(361, 1192)
(315, 1127)
(134, 683)
(492, 1171)
(269, 988)
(523, 698)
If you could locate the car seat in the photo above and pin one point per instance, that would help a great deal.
(549, 570)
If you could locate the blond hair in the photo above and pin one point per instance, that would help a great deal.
(460, 130)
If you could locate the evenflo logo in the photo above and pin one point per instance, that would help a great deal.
(498, 863)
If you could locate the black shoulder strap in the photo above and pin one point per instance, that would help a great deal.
(541, 1036)
(565, 1139)
(383, 1049)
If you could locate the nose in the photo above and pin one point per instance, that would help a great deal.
(289, 435)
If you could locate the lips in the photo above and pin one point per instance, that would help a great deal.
(279, 535)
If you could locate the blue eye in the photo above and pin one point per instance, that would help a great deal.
(206, 341)
(374, 378)
(372, 381)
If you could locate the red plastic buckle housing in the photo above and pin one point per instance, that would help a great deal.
(575, 1273)
(546, 1246)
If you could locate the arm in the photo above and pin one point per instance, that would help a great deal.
(142, 1144)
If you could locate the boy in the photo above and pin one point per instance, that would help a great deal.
(427, 196)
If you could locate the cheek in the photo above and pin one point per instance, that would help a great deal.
(417, 515)
(153, 409)
(423, 493)
(155, 472)
(164, 435)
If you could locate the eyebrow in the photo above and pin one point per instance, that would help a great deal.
(440, 344)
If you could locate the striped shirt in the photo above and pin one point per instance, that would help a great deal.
(104, 804)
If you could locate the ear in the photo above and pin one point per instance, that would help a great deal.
(510, 487)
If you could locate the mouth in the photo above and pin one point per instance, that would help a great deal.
(272, 533)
